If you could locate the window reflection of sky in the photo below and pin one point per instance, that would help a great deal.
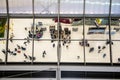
(66, 6)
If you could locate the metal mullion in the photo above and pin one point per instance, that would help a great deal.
(58, 28)
(115, 40)
(33, 30)
(96, 40)
(109, 21)
(58, 77)
(84, 32)
(7, 7)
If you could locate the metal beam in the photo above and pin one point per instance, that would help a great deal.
(62, 68)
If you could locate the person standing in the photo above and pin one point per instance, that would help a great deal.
(11, 37)
(28, 40)
(44, 53)
(53, 45)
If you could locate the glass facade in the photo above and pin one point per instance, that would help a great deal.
(20, 7)
(115, 7)
(3, 6)
(97, 6)
(46, 6)
(71, 6)
(60, 33)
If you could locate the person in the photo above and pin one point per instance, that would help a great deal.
(78, 57)
(30, 57)
(29, 32)
(44, 53)
(91, 49)
(8, 51)
(15, 49)
(51, 41)
(99, 51)
(4, 51)
(18, 46)
(104, 55)
(11, 40)
(107, 42)
(103, 47)
(26, 28)
(11, 37)
(99, 47)
(23, 48)
(25, 56)
(34, 58)
(14, 54)
(67, 46)
(28, 40)
(53, 45)
(63, 44)
(25, 43)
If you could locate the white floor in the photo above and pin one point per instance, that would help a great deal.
(70, 54)
(2, 46)
(47, 46)
(95, 56)
(19, 57)
(116, 51)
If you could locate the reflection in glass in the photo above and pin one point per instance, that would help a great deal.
(96, 28)
(97, 52)
(20, 51)
(45, 51)
(46, 6)
(18, 6)
(3, 6)
(97, 7)
(115, 9)
(71, 6)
